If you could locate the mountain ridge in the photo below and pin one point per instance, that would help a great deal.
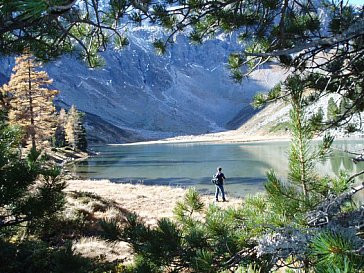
(142, 96)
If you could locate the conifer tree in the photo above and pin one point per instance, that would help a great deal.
(31, 104)
(75, 131)
(70, 127)
(82, 135)
(3, 100)
(268, 231)
(60, 134)
(316, 120)
(30, 188)
(333, 110)
(344, 106)
(304, 188)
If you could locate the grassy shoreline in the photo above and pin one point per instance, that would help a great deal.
(103, 199)
(151, 202)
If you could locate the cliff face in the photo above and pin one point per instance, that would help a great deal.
(140, 95)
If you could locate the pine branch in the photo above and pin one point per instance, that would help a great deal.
(353, 32)
(330, 207)
(355, 175)
(13, 222)
(62, 8)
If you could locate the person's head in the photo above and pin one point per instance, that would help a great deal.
(219, 169)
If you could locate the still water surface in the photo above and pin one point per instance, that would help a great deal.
(245, 165)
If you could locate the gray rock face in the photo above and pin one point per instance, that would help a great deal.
(187, 91)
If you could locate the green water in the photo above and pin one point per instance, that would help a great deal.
(244, 165)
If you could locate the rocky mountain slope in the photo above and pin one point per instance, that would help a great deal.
(139, 95)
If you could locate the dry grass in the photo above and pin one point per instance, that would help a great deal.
(93, 247)
(149, 202)
(102, 199)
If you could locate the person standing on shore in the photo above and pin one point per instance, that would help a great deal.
(220, 177)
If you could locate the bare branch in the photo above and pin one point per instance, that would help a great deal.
(330, 207)
(62, 8)
(355, 175)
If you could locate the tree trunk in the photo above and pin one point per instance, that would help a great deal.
(32, 129)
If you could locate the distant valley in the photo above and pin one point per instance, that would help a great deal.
(139, 95)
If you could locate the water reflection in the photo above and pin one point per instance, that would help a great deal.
(245, 165)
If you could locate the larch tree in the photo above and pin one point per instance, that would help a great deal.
(60, 134)
(31, 104)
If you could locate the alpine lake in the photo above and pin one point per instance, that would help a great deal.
(193, 164)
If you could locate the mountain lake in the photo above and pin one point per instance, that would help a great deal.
(192, 164)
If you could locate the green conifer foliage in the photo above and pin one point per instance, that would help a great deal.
(56, 27)
(268, 232)
(332, 251)
(333, 111)
(30, 188)
(31, 104)
(75, 131)
(192, 243)
(317, 120)
(344, 106)
(304, 188)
